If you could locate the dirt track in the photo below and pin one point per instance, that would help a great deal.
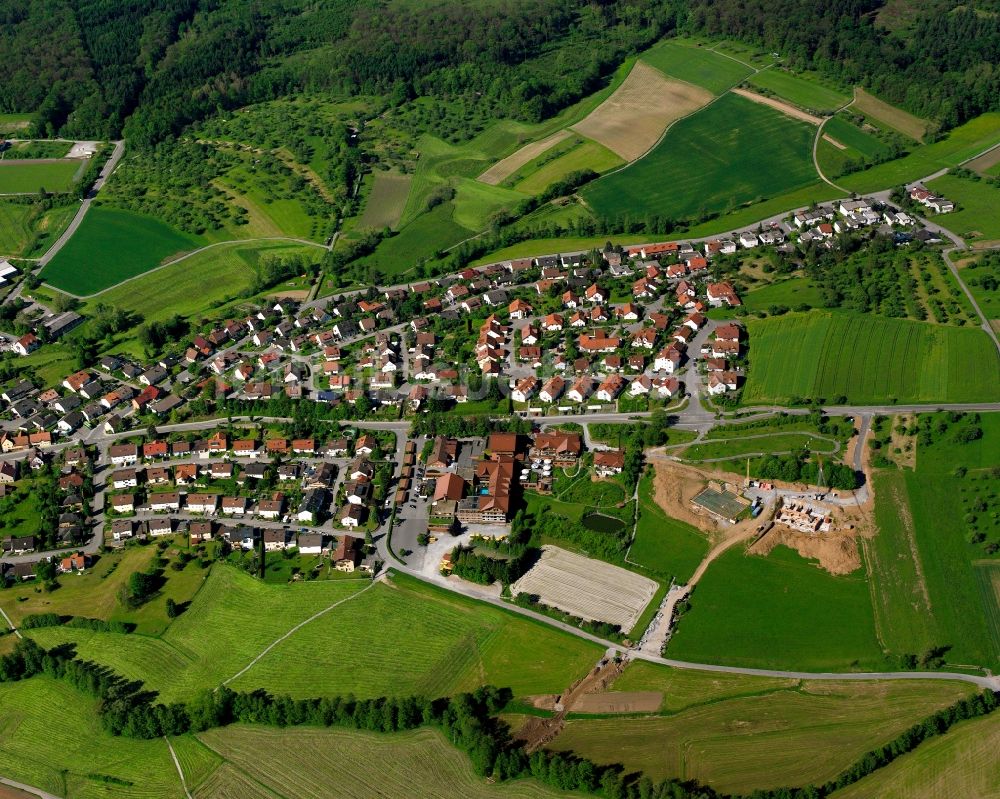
(780, 105)
(502, 170)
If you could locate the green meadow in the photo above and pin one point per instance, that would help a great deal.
(804, 89)
(111, 246)
(19, 177)
(868, 359)
(977, 211)
(730, 153)
(778, 611)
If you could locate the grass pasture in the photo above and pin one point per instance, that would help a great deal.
(768, 737)
(756, 442)
(51, 738)
(111, 246)
(779, 611)
(733, 152)
(426, 641)
(319, 763)
(868, 359)
(386, 200)
(977, 213)
(889, 115)
(202, 281)
(451, 644)
(632, 119)
(30, 177)
(15, 227)
(804, 89)
(962, 762)
(973, 275)
(856, 146)
(695, 64)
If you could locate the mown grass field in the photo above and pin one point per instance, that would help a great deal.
(730, 153)
(768, 737)
(318, 763)
(15, 227)
(696, 64)
(778, 611)
(425, 641)
(386, 200)
(868, 359)
(857, 146)
(665, 546)
(890, 115)
(789, 293)
(110, 246)
(51, 738)
(804, 89)
(900, 593)
(962, 762)
(977, 212)
(203, 281)
(19, 177)
(958, 145)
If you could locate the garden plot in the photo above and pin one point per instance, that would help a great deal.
(632, 119)
(587, 588)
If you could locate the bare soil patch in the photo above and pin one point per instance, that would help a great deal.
(674, 488)
(780, 105)
(837, 552)
(6, 792)
(985, 161)
(619, 702)
(502, 170)
(291, 294)
(834, 142)
(632, 119)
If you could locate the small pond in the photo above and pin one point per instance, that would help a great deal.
(602, 523)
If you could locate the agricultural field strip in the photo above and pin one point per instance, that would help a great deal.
(180, 771)
(506, 167)
(294, 630)
(694, 445)
(587, 588)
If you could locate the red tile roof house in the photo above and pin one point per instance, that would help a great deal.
(155, 449)
(721, 294)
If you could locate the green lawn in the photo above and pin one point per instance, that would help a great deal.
(667, 547)
(779, 611)
(52, 738)
(697, 65)
(958, 145)
(199, 283)
(426, 640)
(110, 246)
(868, 359)
(804, 89)
(729, 153)
(977, 207)
(18, 177)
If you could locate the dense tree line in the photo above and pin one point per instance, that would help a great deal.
(468, 720)
(842, 38)
(799, 468)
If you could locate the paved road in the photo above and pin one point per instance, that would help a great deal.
(984, 321)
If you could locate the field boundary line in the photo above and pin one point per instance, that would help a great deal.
(177, 764)
(294, 630)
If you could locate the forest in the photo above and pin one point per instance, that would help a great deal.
(98, 68)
